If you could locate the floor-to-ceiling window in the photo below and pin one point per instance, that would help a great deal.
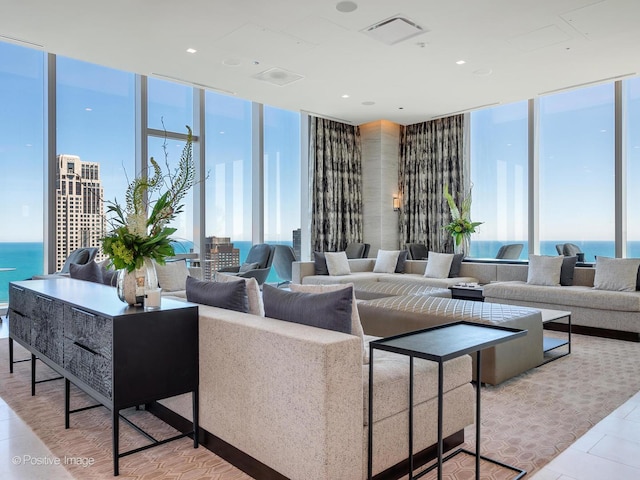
(499, 166)
(170, 110)
(632, 107)
(228, 185)
(281, 179)
(576, 136)
(22, 159)
(95, 150)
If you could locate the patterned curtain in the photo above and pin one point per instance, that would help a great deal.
(335, 159)
(431, 156)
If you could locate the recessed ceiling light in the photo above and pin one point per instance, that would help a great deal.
(368, 103)
(191, 50)
(346, 6)
(460, 62)
(232, 62)
(346, 95)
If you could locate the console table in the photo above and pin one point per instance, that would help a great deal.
(121, 356)
(439, 344)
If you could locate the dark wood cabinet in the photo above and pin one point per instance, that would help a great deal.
(122, 356)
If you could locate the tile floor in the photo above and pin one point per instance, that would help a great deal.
(610, 450)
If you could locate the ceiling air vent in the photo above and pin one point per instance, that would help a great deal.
(278, 76)
(394, 30)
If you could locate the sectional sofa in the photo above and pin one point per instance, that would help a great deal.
(608, 313)
(295, 397)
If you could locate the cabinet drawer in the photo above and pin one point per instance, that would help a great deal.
(89, 330)
(46, 328)
(89, 366)
(19, 326)
(21, 300)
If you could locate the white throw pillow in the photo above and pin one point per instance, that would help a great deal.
(356, 326)
(172, 276)
(337, 263)
(256, 306)
(386, 261)
(438, 265)
(544, 270)
(617, 274)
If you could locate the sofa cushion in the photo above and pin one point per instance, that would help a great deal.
(438, 265)
(402, 260)
(232, 295)
(370, 290)
(172, 276)
(89, 272)
(330, 310)
(417, 279)
(544, 270)
(247, 267)
(386, 261)
(320, 264)
(573, 296)
(354, 277)
(337, 263)
(356, 326)
(567, 270)
(254, 296)
(456, 264)
(618, 274)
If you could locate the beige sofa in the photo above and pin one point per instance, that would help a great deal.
(294, 397)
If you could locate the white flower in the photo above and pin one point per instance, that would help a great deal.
(137, 224)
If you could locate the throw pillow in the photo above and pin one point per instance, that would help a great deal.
(544, 270)
(438, 265)
(567, 270)
(617, 274)
(356, 325)
(109, 277)
(232, 295)
(402, 260)
(89, 272)
(320, 264)
(172, 276)
(386, 261)
(256, 307)
(337, 263)
(330, 310)
(456, 264)
(245, 267)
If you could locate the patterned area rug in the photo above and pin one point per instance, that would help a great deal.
(526, 421)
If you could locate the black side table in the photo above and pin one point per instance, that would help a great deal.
(466, 292)
(439, 344)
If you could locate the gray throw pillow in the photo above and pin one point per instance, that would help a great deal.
(544, 270)
(616, 274)
(232, 295)
(109, 276)
(567, 270)
(320, 264)
(330, 310)
(456, 264)
(90, 272)
(402, 260)
(245, 267)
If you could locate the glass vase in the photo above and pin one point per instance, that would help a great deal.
(131, 286)
(464, 247)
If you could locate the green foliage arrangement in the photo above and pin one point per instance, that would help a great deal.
(461, 225)
(134, 236)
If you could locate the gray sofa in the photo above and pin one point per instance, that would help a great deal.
(294, 397)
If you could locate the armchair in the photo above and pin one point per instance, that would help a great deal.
(257, 264)
(80, 256)
(283, 259)
(510, 251)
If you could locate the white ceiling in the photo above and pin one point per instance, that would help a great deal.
(514, 49)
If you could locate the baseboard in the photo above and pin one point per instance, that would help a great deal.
(594, 331)
(257, 469)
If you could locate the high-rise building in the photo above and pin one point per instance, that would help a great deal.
(297, 243)
(80, 219)
(219, 253)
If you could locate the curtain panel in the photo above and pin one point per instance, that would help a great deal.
(335, 162)
(431, 156)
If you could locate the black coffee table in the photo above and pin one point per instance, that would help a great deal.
(439, 344)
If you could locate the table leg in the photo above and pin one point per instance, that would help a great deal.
(370, 424)
(478, 387)
(67, 401)
(195, 418)
(115, 420)
(411, 417)
(33, 375)
(10, 355)
(440, 422)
